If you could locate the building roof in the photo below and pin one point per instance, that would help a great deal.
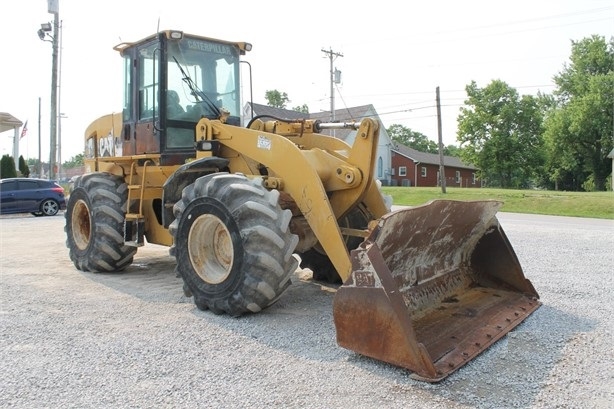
(272, 112)
(8, 122)
(611, 154)
(429, 158)
(346, 114)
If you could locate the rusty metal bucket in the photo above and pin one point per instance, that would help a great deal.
(432, 287)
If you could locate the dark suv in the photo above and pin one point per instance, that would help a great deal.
(37, 196)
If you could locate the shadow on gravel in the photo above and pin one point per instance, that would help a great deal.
(300, 323)
(151, 278)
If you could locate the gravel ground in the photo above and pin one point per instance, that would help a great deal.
(71, 339)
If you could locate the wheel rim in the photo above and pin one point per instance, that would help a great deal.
(210, 249)
(81, 225)
(50, 208)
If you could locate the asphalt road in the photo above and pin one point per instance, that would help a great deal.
(71, 339)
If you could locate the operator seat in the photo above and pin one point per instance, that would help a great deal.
(173, 107)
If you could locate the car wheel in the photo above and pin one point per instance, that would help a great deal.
(37, 214)
(50, 207)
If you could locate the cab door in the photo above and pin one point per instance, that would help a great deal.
(140, 132)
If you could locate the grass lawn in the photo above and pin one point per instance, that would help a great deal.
(598, 205)
(580, 204)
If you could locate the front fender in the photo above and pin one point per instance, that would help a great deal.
(186, 175)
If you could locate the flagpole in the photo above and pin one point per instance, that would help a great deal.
(16, 146)
(40, 161)
(24, 132)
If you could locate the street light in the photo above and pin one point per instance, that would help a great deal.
(44, 31)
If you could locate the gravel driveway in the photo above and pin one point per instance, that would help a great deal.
(79, 340)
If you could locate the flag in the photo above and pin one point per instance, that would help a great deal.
(24, 130)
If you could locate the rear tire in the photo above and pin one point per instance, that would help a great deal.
(232, 244)
(94, 228)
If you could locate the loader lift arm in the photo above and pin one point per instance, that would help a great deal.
(324, 183)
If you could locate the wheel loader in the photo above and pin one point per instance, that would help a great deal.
(426, 288)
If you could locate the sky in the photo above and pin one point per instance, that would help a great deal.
(393, 54)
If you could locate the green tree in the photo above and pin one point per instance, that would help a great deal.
(276, 99)
(412, 139)
(500, 133)
(452, 150)
(7, 167)
(74, 162)
(578, 132)
(302, 108)
(23, 167)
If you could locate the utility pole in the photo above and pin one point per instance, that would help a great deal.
(442, 170)
(54, 92)
(43, 33)
(335, 78)
(59, 110)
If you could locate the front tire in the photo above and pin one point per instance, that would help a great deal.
(232, 244)
(94, 228)
(318, 261)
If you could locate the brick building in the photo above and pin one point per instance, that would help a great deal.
(414, 168)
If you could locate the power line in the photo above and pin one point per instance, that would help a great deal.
(446, 34)
(443, 91)
(537, 19)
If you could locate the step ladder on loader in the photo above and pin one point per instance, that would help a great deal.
(134, 224)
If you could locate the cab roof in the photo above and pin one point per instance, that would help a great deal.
(177, 34)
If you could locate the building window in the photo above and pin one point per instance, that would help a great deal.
(402, 170)
(423, 171)
(380, 168)
(473, 178)
(458, 178)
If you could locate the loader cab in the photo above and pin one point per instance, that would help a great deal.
(171, 80)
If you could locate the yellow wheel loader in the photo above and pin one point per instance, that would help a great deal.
(425, 288)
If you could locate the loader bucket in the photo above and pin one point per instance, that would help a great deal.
(432, 287)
